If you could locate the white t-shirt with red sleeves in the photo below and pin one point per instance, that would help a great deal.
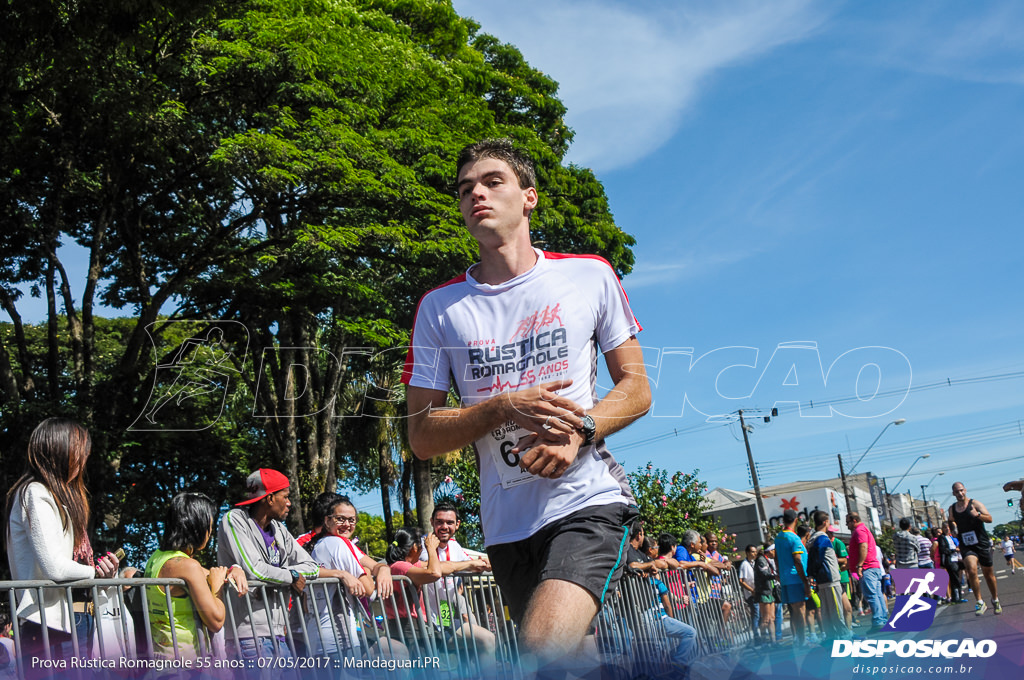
(549, 323)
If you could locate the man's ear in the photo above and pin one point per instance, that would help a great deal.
(530, 199)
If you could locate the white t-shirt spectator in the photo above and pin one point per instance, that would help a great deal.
(747, 572)
(334, 552)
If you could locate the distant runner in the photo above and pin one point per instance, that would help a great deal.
(970, 516)
(1007, 546)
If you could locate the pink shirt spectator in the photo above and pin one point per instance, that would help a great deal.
(861, 534)
(412, 595)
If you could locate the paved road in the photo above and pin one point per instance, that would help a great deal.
(953, 622)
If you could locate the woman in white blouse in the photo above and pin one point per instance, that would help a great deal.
(47, 519)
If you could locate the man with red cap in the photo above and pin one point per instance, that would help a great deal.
(253, 536)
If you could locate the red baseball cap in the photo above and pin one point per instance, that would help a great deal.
(262, 483)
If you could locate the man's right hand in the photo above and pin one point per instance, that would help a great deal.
(543, 411)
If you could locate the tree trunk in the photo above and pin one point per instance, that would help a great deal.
(385, 491)
(52, 358)
(424, 491)
(406, 490)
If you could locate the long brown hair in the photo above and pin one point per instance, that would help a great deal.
(57, 451)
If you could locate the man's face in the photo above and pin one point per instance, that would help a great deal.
(751, 554)
(491, 201)
(850, 522)
(959, 492)
(713, 543)
(279, 504)
(445, 524)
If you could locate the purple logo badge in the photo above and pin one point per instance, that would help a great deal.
(917, 593)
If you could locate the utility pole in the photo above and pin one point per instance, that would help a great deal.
(846, 489)
(924, 505)
(761, 516)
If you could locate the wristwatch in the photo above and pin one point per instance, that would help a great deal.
(295, 575)
(588, 430)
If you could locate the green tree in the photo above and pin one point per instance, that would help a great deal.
(672, 503)
(285, 165)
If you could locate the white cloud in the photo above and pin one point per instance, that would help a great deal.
(692, 264)
(629, 73)
(970, 42)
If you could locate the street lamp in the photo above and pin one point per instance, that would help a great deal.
(924, 500)
(850, 503)
(898, 421)
(896, 487)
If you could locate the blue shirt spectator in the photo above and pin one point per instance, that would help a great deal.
(787, 547)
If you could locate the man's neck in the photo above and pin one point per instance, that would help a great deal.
(260, 516)
(504, 262)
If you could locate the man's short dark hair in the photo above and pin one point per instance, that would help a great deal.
(750, 546)
(819, 517)
(503, 150)
(803, 530)
(646, 545)
(904, 523)
(444, 506)
(666, 542)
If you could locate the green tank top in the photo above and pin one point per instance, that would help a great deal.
(181, 607)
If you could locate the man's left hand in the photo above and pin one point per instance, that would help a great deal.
(299, 584)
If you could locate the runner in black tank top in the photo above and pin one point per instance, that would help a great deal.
(970, 517)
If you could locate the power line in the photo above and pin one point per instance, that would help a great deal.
(811, 404)
(954, 440)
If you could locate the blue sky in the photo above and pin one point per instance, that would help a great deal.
(838, 175)
(842, 174)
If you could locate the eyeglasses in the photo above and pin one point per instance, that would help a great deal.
(341, 519)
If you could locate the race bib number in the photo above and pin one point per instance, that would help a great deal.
(507, 462)
(445, 611)
(969, 538)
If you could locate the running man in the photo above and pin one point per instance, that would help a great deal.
(970, 516)
(520, 334)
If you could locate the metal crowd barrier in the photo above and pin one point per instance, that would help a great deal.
(326, 632)
(713, 605)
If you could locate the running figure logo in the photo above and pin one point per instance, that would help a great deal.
(916, 600)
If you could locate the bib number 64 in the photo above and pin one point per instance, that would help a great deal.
(511, 459)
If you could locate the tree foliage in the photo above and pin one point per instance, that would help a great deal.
(280, 170)
(673, 502)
